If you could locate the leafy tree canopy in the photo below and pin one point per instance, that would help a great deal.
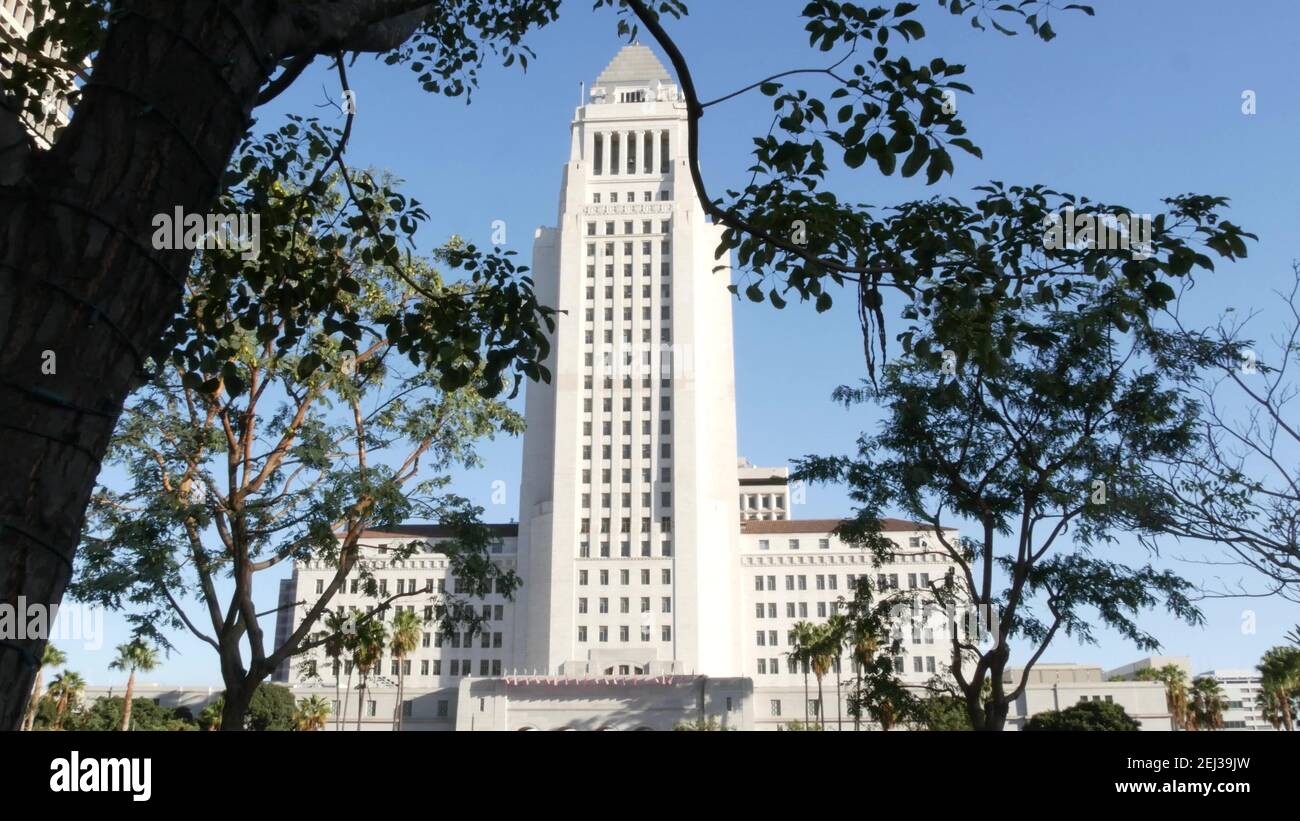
(1091, 716)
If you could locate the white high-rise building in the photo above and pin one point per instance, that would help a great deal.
(630, 452)
(662, 575)
(17, 19)
(1241, 689)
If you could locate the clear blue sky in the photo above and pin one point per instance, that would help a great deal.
(1140, 102)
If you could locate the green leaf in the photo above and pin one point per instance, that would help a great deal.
(920, 153)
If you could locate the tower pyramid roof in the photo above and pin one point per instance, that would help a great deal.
(633, 64)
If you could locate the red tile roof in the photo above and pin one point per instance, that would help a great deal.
(505, 531)
(822, 525)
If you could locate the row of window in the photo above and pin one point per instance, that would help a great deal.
(884, 581)
(607, 250)
(444, 706)
(823, 544)
(409, 585)
(625, 576)
(627, 144)
(606, 451)
(608, 382)
(795, 610)
(607, 427)
(624, 549)
(607, 404)
(665, 500)
(625, 605)
(665, 313)
(625, 524)
(496, 546)
(665, 226)
(435, 667)
(665, 292)
(772, 638)
(762, 501)
(646, 196)
(624, 633)
(665, 268)
(793, 544)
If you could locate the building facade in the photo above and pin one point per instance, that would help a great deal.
(1241, 689)
(1058, 686)
(662, 573)
(17, 19)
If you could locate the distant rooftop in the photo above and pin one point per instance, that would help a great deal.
(634, 64)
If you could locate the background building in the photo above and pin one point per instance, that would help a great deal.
(658, 567)
(17, 20)
(1058, 686)
(1240, 688)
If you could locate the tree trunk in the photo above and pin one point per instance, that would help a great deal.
(361, 700)
(807, 721)
(857, 686)
(347, 696)
(1284, 697)
(821, 706)
(235, 707)
(29, 720)
(126, 705)
(83, 294)
(338, 705)
(397, 711)
(839, 711)
(60, 709)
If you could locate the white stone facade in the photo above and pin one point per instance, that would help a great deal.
(661, 574)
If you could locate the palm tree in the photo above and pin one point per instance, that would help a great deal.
(66, 689)
(837, 634)
(886, 713)
(407, 628)
(312, 714)
(1280, 674)
(338, 642)
(52, 657)
(135, 655)
(802, 637)
(1207, 705)
(1175, 681)
(366, 655)
(863, 643)
(210, 716)
(821, 656)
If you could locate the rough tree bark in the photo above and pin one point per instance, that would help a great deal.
(83, 295)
